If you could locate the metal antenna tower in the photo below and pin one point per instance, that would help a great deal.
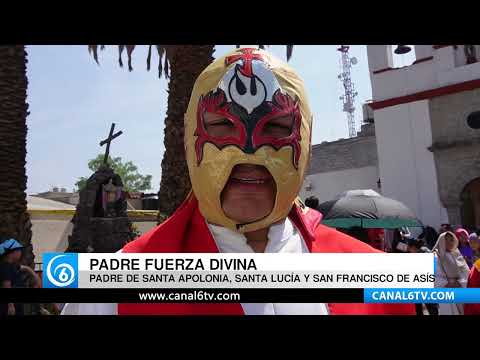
(349, 95)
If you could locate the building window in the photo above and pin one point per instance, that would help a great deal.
(473, 120)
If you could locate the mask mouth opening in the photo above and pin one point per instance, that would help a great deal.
(250, 174)
(249, 195)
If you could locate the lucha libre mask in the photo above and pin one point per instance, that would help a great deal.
(248, 87)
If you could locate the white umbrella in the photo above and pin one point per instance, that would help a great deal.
(357, 192)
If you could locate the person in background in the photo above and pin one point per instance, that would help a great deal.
(475, 244)
(444, 228)
(10, 276)
(395, 239)
(389, 237)
(417, 246)
(400, 239)
(429, 236)
(473, 282)
(29, 279)
(357, 233)
(13, 274)
(312, 202)
(376, 238)
(464, 246)
(50, 309)
(372, 237)
(451, 271)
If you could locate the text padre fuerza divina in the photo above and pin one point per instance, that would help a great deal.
(171, 264)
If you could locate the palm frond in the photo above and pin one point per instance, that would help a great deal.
(169, 53)
(165, 54)
(161, 52)
(130, 49)
(120, 51)
(93, 49)
(163, 61)
(289, 51)
(149, 57)
(166, 69)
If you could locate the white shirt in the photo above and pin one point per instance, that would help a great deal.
(283, 237)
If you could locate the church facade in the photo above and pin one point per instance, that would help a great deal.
(426, 134)
(342, 165)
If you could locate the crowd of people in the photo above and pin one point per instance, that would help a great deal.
(457, 251)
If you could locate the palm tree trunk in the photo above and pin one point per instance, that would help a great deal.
(14, 219)
(187, 62)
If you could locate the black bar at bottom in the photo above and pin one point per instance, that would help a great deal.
(25, 295)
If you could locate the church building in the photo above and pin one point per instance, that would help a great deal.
(420, 142)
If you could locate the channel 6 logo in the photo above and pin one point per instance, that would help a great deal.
(60, 270)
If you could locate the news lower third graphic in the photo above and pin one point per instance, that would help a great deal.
(257, 271)
(257, 278)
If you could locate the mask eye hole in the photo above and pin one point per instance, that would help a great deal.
(217, 125)
(279, 127)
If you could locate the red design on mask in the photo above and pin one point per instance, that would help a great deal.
(282, 105)
(247, 57)
(215, 102)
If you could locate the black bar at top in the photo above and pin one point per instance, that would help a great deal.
(26, 295)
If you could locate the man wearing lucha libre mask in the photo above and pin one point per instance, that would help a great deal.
(247, 140)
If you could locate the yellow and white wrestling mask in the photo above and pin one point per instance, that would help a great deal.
(247, 91)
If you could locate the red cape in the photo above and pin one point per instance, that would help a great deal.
(187, 231)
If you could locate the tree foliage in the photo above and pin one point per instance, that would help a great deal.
(132, 180)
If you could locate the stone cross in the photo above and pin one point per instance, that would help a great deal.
(108, 140)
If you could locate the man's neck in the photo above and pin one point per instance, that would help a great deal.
(257, 240)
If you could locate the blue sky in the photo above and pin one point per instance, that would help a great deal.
(73, 101)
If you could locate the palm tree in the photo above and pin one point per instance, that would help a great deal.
(186, 62)
(14, 219)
